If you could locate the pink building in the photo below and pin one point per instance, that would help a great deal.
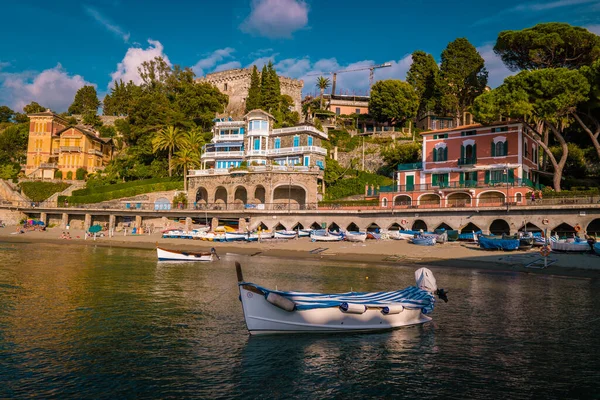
(468, 166)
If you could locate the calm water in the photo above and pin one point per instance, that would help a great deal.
(113, 323)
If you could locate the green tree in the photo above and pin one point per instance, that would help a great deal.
(90, 118)
(33, 108)
(167, 139)
(13, 143)
(118, 101)
(80, 174)
(393, 101)
(253, 101)
(423, 77)
(70, 175)
(322, 83)
(547, 96)
(6, 114)
(269, 88)
(404, 153)
(588, 113)
(186, 157)
(549, 45)
(193, 139)
(463, 77)
(8, 171)
(86, 101)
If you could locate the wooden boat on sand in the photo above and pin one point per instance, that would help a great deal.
(177, 255)
(353, 236)
(269, 311)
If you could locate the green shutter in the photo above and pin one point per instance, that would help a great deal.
(506, 147)
(493, 149)
(434, 179)
(511, 175)
(475, 177)
(462, 179)
(474, 152)
(435, 154)
(487, 176)
(445, 154)
(462, 151)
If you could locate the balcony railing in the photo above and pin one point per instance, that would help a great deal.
(467, 161)
(298, 150)
(96, 152)
(499, 184)
(48, 166)
(411, 166)
(301, 128)
(229, 123)
(254, 168)
(222, 154)
(257, 152)
(73, 149)
(228, 138)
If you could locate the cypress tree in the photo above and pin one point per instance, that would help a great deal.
(270, 90)
(254, 96)
(264, 85)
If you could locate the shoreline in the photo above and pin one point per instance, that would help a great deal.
(395, 252)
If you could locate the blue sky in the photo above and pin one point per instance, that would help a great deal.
(51, 48)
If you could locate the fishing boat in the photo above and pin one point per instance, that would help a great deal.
(354, 236)
(268, 311)
(423, 240)
(452, 235)
(176, 255)
(285, 234)
(578, 246)
(324, 236)
(235, 236)
(373, 235)
(498, 243)
(403, 235)
(596, 248)
(304, 232)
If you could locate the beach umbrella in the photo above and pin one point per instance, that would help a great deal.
(95, 229)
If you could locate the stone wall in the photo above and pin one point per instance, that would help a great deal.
(236, 82)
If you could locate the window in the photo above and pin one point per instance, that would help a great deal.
(434, 124)
(440, 180)
(500, 149)
(277, 143)
(310, 141)
(384, 202)
(440, 154)
(296, 141)
(225, 86)
(337, 111)
(258, 125)
(497, 175)
(357, 111)
(444, 136)
(319, 164)
(500, 129)
(256, 144)
(468, 133)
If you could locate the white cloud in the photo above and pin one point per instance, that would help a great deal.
(496, 68)
(593, 28)
(127, 69)
(262, 61)
(53, 88)
(276, 18)
(205, 64)
(228, 65)
(106, 23)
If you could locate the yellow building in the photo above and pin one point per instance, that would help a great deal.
(55, 146)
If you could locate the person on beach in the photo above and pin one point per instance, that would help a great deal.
(533, 197)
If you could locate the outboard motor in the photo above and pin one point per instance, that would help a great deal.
(426, 281)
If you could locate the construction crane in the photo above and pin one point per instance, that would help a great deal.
(371, 74)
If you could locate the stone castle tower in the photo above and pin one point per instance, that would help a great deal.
(236, 82)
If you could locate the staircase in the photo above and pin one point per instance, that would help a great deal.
(9, 194)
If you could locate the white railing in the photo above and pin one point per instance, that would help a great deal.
(219, 154)
(70, 148)
(257, 152)
(48, 165)
(96, 152)
(212, 171)
(258, 132)
(301, 128)
(298, 150)
(227, 138)
(229, 123)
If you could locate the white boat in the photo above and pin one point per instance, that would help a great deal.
(304, 232)
(399, 235)
(324, 236)
(356, 236)
(271, 311)
(234, 236)
(176, 255)
(285, 234)
(572, 247)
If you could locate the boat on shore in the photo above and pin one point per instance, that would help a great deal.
(177, 255)
(268, 311)
(324, 236)
(235, 236)
(304, 232)
(498, 243)
(354, 236)
(285, 235)
(560, 246)
(424, 240)
(402, 235)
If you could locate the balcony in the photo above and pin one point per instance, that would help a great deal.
(298, 150)
(227, 124)
(466, 161)
(255, 153)
(228, 138)
(56, 151)
(410, 166)
(95, 152)
(70, 149)
(205, 172)
(301, 128)
(48, 166)
(458, 186)
(258, 132)
(222, 154)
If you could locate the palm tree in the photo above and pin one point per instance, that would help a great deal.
(186, 157)
(194, 139)
(322, 84)
(167, 139)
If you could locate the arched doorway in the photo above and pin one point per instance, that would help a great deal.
(221, 195)
(490, 199)
(564, 230)
(373, 228)
(469, 228)
(395, 227)
(240, 195)
(201, 196)
(315, 226)
(162, 204)
(298, 227)
(418, 225)
(529, 227)
(279, 227)
(352, 227)
(262, 226)
(260, 194)
(593, 228)
(334, 227)
(429, 200)
(500, 227)
(292, 196)
(402, 201)
(444, 226)
(459, 200)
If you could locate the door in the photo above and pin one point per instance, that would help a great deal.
(306, 161)
(410, 183)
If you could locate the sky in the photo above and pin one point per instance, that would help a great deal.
(49, 49)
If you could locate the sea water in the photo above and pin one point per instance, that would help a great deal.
(113, 323)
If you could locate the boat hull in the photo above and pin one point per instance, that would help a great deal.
(564, 247)
(172, 255)
(263, 318)
(285, 235)
(356, 236)
(325, 238)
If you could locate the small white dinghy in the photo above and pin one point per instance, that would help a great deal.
(269, 311)
(285, 234)
(356, 236)
(176, 255)
(324, 236)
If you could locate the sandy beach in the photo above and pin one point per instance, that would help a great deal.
(452, 254)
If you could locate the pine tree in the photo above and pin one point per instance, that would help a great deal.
(264, 86)
(270, 89)
(254, 96)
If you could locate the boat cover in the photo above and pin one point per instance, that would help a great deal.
(498, 244)
(597, 248)
(412, 297)
(468, 236)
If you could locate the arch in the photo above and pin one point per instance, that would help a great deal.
(519, 197)
(352, 227)
(240, 195)
(162, 203)
(298, 226)
(593, 228)
(402, 200)
(279, 227)
(221, 195)
(262, 226)
(459, 199)
(315, 225)
(384, 202)
(373, 227)
(491, 198)
(260, 194)
(290, 194)
(429, 200)
(201, 195)
(418, 225)
(469, 150)
(333, 227)
(564, 230)
(395, 227)
(444, 226)
(470, 227)
(529, 227)
(499, 227)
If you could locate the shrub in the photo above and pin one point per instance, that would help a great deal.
(58, 174)
(121, 186)
(40, 191)
(180, 199)
(128, 191)
(70, 175)
(80, 174)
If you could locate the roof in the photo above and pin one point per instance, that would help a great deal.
(47, 113)
(87, 133)
(258, 110)
(471, 126)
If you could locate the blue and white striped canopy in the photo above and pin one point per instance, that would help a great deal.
(412, 297)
